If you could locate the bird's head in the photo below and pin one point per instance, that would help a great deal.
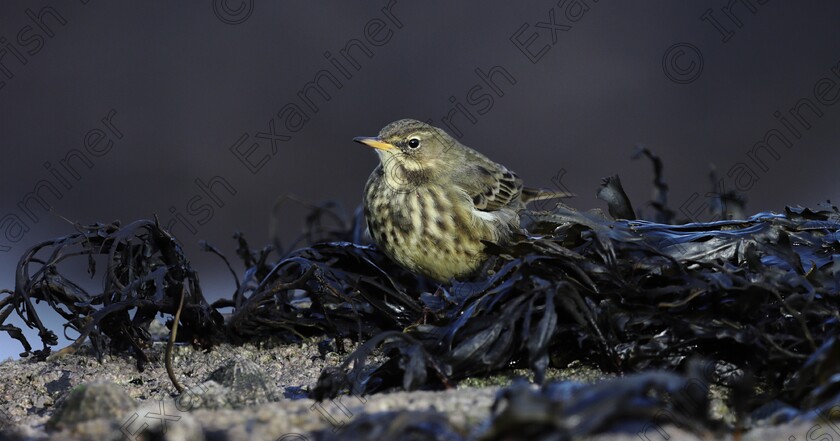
(412, 150)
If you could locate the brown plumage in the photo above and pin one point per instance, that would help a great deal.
(431, 200)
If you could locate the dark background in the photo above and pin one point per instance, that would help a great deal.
(186, 82)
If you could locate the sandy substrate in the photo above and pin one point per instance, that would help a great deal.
(246, 393)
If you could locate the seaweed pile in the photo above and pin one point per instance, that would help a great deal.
(146, 273)
(756, 299)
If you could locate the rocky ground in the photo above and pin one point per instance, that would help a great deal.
(250, 393)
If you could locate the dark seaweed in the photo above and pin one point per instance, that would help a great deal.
(145, 272)
(647, 404)
(757, 298)
(758, 294)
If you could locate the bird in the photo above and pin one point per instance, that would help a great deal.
(431, 202)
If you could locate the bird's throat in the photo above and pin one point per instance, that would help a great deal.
(404, 173)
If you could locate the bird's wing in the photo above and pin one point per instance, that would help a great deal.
(491, 186)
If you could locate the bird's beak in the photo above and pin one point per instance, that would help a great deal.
(375, 142)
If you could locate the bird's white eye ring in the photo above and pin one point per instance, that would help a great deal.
(414, 143)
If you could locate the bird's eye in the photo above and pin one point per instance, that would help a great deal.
(414, 143)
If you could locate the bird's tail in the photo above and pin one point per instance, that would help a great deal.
(541, 194)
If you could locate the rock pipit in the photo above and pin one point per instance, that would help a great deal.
(432, 200)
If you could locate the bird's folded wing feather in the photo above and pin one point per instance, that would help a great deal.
(491, 186)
